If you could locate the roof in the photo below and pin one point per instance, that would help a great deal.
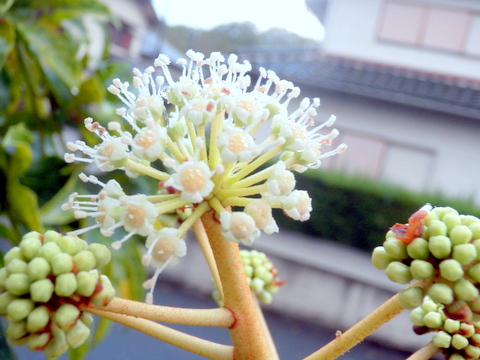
(415, 88)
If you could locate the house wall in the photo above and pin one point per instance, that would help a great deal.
(353, 31)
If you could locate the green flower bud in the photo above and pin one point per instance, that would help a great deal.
(18, 284)
(51, 236)
(395, 248)
(86, 318)
(460, 234)
(38, 319)
(432, 215)
(452, 219)
(440, 246)
(66, 316)
(418, 249)
(442, 340)
(476, 243)
(38, 341)
(437, 228)
(65, 284)
(421, 269)
(257, 285)
(433, 320)
(56, 346)
(441, 293)
(101, 253)
(106, 294)
(398, 272)
(472, 352)
(77, 335)
(19, 309)
(429, 306)
(30, 246)
(49, 250)
(262, 273)
(3, 277)
(464, 253)
(70, 244)
(475, 229)
(451, 269)
(16, 329)
(265, 297)
(475, 340)
(380, 258)
(475, 306)
(411, 297)
(41, 290)
(272, 289)
(62, 263)
(416, 316)
(467, 329)
(451, 326)
(38, 268)
(465, 290)
(459, 341)
(248, 270)
(17, 266)
(5, 299)
(469, 219)
(474, 272)
(13, 253)
(84, 260)
(86, 282)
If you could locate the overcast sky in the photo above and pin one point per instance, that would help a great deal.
(206, 14)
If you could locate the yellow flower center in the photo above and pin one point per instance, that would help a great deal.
(192, 179)
(135, 216)
(238, 142)
(146, 139)
(163, 250)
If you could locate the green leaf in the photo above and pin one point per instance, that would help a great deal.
(7, 39)
(24, 206)
(5, 6)
(54, 50)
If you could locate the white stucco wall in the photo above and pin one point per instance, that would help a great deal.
(351, 31)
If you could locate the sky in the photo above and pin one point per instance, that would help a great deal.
(206, 14)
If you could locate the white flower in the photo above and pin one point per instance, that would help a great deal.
(239, 227)
(192, 179)
(149, 143)
(281, 181)
(199, 111)
(261, 213)
(235, 144)
(298, 205)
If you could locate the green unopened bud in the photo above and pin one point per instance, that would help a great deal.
(442, 340)
(66, 316)
(19, 309)
(476, 243)
(41, 290)
(65, 284)
(86, 282)
(5, 299)
(77, 335)
(3, 277)
(440, 246)
(38, 268)
(418, 249)
(441, 293)
(416, 316)
(38, 319)
(437, 228)
(432, 215)
(13, 253)
(17, 266)
(395, 248)
(451, 326)
(16, 329)
(272, 289)
(30, 246)
(421, 269)
(464, 253)
(465, 290)
(70, 244)
(262, 273)
(106, 294)
(469, 219)
(475, 229)
(451, 220)
(429, 306)
(257, 285)
(398, 272)
(62, 263)
(84, 260)
(86, 318)
(460, 234)
(49, 250)
(18, 284)
(451, 269)
(475, 340)
(380, 258)
(56, 346)
(411, 297)
(467, 329)
(459, 341)
(248, 270)
(38, 341)
(51, 236)
(101, 253)
(472, 352)
(265, 297)
(433, 320)
(474, 272)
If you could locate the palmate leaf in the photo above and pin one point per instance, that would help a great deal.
(7, 39)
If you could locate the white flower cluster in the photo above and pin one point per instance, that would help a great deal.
(202, 127)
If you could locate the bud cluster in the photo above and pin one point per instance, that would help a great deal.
(457, 339)
(261, 276)
(45, 281)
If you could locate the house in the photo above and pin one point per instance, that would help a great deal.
(403, 79)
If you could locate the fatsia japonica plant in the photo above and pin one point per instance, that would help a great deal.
(223, 149)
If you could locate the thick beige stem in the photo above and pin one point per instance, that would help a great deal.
(247, 333)
(425, 353)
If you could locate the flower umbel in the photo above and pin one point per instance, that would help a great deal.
(206, 141)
